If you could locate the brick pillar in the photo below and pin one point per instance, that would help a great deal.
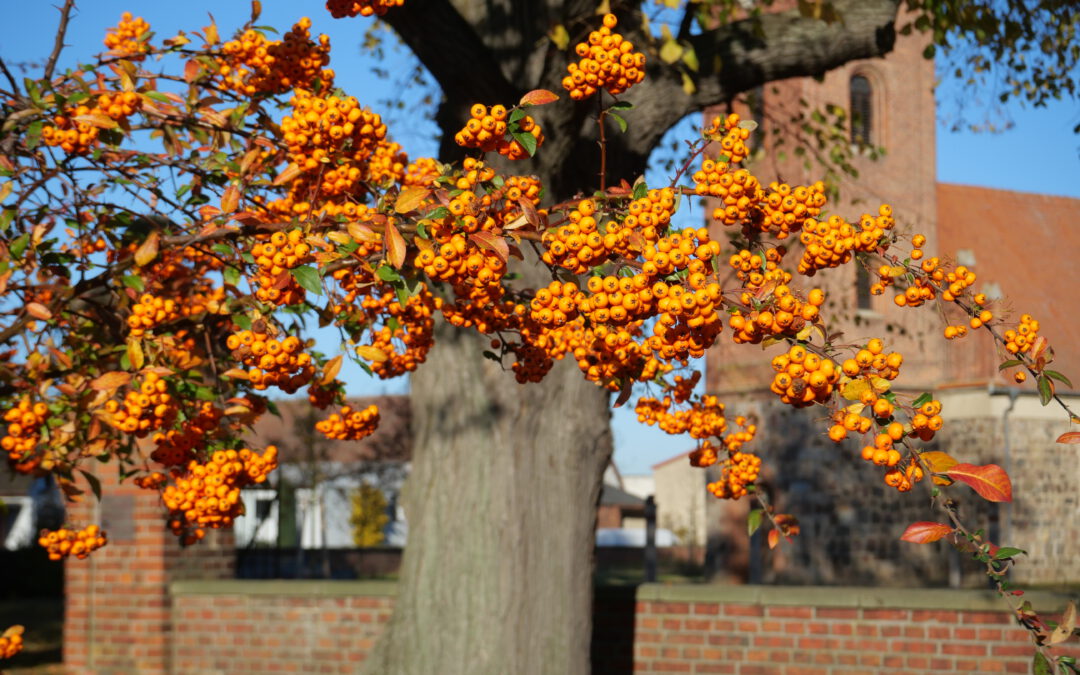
(118, 611)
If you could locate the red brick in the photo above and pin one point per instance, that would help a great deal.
(670, 667)
(885, 614)
(791, 612)
(744, 610)
(963, 649)
(836, 613)
(702, 608)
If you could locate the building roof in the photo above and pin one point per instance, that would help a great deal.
(613, 496)
(297, 440)
(1027, 245)
(679, 456)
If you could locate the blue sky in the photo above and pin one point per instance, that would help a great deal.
(1038, 154)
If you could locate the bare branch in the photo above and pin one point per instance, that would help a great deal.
(58, 45)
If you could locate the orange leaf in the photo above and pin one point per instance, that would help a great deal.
(490, 241)
(925, 532)
(539, 97)
(236, 374)
(191, 71)
(774, 538)
(111, 380)
(990, 481)
(411, 198)
(148, 250)
(230, 199)
(38, 311)
(394, 244)
(1069, 437)
(530, 212)
(939, 462)
(290, 172)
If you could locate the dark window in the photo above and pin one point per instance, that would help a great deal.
(862, 287)
(861, 110)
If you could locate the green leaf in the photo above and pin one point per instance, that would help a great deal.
(753, 521)
(242, 320)
(492, 356)
(924, 397)
(134, 282)
(527, 141)
(308, 277)
(19, 245)
(1011, 363)
(641, 190)
(621, 105)
(1059, 377)
(1008, 552)
(387, 273)
(1040, 666)
(232, 276)
(618, 120)
(1046, 390)
(516, 115)
(223, 249)
(438, 213)
(92, 480)
(204, 394)
(158, 96)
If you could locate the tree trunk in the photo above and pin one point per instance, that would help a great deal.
(501, 500)
(501, 504)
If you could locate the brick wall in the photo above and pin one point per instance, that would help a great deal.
(118, 616)
(329, 627)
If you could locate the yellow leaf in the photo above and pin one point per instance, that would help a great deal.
(331, 370)
(559, 36)
(96, 120)
(339, 237)
(670, 51)
(135, 353)
(148, 250)
(5, 190)
(410, 198)
(688, 85)
(371, 353)
(880, 384)
(604, 7)
(362, 233)
(853, 390)
(939, 462)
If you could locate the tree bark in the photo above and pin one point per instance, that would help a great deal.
(505, 479)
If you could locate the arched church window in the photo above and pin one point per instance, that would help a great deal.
(861, 110)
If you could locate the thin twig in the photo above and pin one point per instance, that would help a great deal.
(58, 45)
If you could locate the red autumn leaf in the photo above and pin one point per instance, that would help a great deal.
(191, 71)
(774, 538)
(530, 213)
(539, 97)
(1069, 437)
(989, 480)
(491, 242)
(925, 532)
(394, 244)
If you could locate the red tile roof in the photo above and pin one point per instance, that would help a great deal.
(1029, 245)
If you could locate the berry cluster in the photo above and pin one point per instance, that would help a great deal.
(349, 424)
(342, 8)
(607, 61)
(145, 408)
(833, 242)
(787, 208)
(903, 479)
(737, 471)
(129, 36)
(76, 130)
(703, 419)
(250, 64)
(11, 642)
(274, 258)
(208, 495)
(64, 542)
(783, 315)
(25, 422)
(486, 131)
(1021, 339)
(803, 378)
(149, 312)
(731, 135)
(271, 362)
(176, 447)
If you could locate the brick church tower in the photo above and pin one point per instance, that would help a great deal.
(850, 520)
